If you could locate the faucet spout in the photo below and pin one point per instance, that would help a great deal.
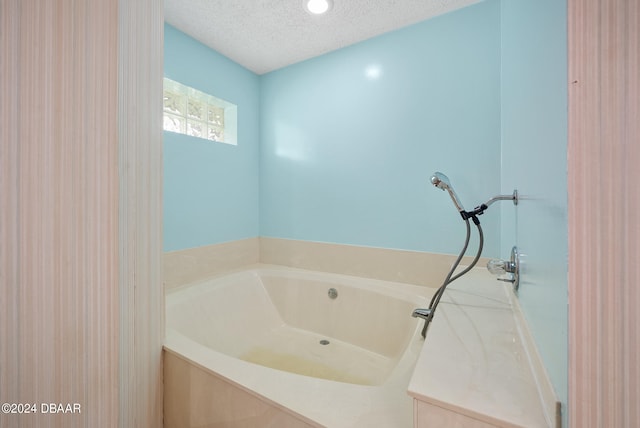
(426, 315)
(421, 313)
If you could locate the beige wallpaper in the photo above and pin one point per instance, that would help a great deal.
(604, 207)
(80, 304)
(59, 223)
(141, 304)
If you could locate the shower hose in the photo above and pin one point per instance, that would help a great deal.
(435, 300)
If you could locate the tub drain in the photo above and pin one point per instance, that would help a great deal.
(324, 342)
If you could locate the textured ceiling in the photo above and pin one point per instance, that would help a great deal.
(264, 35)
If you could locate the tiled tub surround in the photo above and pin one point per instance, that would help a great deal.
(186, 266)
(411, 267)
(478, 366)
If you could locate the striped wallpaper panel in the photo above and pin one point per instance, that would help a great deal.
(59, 224)
(141, 303)
(604, 213)
(80, 225)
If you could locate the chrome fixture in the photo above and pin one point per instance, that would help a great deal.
(512, 197)
(511, 267)
(425, 314)
(442, 182)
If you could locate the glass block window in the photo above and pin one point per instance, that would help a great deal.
(191, 112)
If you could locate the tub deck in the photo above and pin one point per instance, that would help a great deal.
(479, 366)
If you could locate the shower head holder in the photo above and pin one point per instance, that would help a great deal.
(442, 182)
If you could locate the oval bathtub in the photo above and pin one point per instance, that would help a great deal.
(274, 346)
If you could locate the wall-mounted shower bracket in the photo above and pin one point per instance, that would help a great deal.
(512, 197)
(480, 209)
(511, 267)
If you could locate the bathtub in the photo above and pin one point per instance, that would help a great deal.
(283, 347)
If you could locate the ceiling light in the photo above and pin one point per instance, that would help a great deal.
(318, 7)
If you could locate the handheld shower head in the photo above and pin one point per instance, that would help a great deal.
(441, 181)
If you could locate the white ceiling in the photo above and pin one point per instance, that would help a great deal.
(264, 35)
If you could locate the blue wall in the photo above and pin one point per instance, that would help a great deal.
(210, 189)
(534, 152)
(350, 139)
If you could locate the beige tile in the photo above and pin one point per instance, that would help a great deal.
(412, 267)
(185, 266)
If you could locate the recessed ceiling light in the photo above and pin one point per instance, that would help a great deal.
(318, 7)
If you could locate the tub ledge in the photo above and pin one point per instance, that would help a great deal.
(479, 366)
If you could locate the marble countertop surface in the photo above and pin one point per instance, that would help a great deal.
(476, 359)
